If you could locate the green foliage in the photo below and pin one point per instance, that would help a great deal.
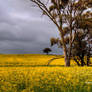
(52, 7)
(54, 41)
(81, 49)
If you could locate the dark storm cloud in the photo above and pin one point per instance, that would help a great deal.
(23, 29)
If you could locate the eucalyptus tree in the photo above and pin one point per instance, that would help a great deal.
(63, 14)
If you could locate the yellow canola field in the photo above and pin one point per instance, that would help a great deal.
(17, 76)
(28, 60)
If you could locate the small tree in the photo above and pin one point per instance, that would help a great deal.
(47, 50)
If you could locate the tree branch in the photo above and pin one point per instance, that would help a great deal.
(45, 10)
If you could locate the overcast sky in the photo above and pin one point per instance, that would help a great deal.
(23, 29)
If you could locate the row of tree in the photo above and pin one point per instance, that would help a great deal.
(73, 19)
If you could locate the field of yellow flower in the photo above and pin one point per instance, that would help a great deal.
(29, 73)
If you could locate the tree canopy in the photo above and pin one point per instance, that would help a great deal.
(47, 50)
(69, 16)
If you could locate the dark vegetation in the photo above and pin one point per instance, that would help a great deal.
(47, 50)
(81, 49)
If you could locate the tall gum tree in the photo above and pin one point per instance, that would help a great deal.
(64, 12)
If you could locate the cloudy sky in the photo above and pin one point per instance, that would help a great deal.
(23, 29)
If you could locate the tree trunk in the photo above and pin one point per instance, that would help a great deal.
(67, 61)
(76, 61)
(88, 60)
(82, 62)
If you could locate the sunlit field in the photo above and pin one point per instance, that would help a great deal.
(29, 60)
(30, 73)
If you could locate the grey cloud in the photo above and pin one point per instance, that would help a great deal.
(23, 29)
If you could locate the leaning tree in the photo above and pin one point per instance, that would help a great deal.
(63, 14)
